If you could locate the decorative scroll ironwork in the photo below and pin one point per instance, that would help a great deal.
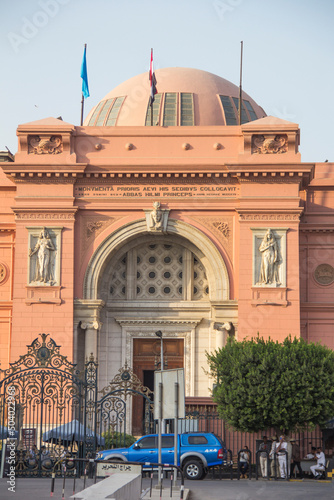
(126, 384)
(42, 353)
(48, 393)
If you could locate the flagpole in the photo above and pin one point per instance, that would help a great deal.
(240, 86)
(151, 73)
(82, 108)
(82, 99)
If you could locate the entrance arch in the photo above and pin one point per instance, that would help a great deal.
(120, 320)
(211, 258)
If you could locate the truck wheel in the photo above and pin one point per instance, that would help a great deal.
(193, 469)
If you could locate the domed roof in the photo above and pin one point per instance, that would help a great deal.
(185, 97)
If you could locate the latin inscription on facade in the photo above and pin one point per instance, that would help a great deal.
(151, 191)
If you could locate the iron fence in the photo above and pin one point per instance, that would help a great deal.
(51, 411)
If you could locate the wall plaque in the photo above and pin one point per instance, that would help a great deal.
(3, 273)
(324, 274)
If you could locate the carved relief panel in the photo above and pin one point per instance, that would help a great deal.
(324, 274)
(3, 273)
(45, 144)
(269, 144)
(269, 257)
(44, 245)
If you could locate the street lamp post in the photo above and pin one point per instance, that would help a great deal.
(159, 334)
(161, 421)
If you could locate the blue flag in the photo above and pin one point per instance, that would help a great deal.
(85, 89)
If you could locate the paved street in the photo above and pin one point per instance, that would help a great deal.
(258, 490)
(39, 489)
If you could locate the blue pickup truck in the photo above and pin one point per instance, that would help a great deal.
(197, 452)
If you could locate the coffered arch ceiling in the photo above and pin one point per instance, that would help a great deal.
(180, 235)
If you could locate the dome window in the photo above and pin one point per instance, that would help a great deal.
(96, 112)
(114, 110)
(229, 112)
(244, 117)
(250, 110)
(156, 111)
(110, 109)
(103, 112)
(177, 109)
(187, 109)
(170, 109)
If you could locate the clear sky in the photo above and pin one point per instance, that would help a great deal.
(288, 55)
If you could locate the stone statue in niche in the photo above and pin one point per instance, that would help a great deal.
(44, 261)
(156, 217)
(269, 249)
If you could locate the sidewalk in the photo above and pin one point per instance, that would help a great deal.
(166, 494)
(208, 489)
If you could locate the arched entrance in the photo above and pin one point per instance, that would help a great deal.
(138, 282)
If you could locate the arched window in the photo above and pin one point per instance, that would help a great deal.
(162, 270)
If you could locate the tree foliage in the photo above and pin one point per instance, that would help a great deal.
(117, 440)
(263, 384)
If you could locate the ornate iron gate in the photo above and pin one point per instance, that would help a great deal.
(39, 392)
(53, 411)
(112, 409)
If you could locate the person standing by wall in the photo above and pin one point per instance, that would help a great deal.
(264, 447)
(281, 450)
(273, 458)
(295, 458)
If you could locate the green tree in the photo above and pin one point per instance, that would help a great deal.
(262, 384)
(117, 440)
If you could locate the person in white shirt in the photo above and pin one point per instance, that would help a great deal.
(281, 449)
(321, 461)
(273, 457)
(243, 462)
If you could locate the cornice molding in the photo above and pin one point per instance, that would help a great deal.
(319, 306)
(52, 214)
(58, 172)
(271, 173)
(89, 304)
(316, 228)
(43, 172)
(270, 215)
(130, 322)
(7, 227)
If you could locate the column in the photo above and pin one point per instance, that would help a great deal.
(192, 361)
(91, 332)
(224, 330)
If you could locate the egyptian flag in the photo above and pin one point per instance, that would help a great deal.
(153, 81)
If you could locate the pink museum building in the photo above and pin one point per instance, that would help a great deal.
(195, 226)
